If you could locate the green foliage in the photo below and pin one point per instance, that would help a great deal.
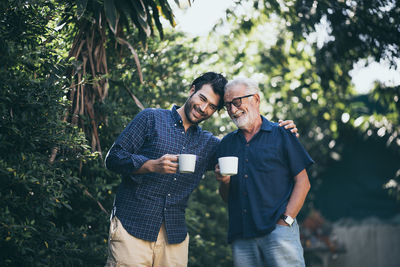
(123, 16)
(34, 193)
(166, 80)
(91, 28)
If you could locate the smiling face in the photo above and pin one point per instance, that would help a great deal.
(201, 104)
(247, 113)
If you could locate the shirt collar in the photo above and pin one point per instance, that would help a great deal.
(175, 115)
(266, 124)
(178, 120)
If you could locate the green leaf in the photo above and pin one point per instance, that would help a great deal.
(139, 7)
(141, 16)
(180, 3)
(167, 12)
(156, 16)
(111, 14)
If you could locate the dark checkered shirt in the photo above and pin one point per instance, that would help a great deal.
(144, 201)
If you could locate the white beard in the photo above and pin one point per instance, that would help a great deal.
(242, 121)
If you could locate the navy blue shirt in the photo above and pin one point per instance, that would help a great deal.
(259, 193)
(144, 201)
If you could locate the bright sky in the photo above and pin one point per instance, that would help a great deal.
(364, 77)
(199, 18)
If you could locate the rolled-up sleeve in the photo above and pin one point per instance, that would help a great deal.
(124, 156)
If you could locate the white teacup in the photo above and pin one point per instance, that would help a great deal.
(228, 165)
(187, 163)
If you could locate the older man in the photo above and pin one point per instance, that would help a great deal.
(269, 190)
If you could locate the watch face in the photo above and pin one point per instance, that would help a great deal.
(289, 220)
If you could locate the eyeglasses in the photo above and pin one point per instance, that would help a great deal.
(237, 102)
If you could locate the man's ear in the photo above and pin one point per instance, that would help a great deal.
(257, 97)
(191, 92)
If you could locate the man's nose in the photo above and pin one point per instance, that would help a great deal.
(203, 107)
(233, 108)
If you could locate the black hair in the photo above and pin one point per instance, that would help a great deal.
(216, 81)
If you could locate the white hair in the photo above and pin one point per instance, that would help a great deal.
(251, 85)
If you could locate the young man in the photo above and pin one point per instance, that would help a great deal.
(269, 190)
(148, 220)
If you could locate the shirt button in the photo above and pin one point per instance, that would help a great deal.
(165, 208)
(169, 195)
(174, 179)
(247, 160)
(175, 124)
(183, 132)
(245, 176)
(244, 211)
(247, 144)
(183, 147)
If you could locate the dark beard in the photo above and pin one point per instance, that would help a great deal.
(187, 109)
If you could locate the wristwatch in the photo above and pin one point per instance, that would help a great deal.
(287, 219)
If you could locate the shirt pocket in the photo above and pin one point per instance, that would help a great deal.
(265, 157)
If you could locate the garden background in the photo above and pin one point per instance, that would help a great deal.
(74, 73)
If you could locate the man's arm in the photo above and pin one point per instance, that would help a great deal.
(300, 190)
(124, 156)
(118, 158)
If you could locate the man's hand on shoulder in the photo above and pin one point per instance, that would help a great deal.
(289, 124)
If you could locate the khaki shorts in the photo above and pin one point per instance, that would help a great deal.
(127, 250)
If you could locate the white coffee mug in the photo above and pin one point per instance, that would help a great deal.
(228, 165)
(187, 163)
